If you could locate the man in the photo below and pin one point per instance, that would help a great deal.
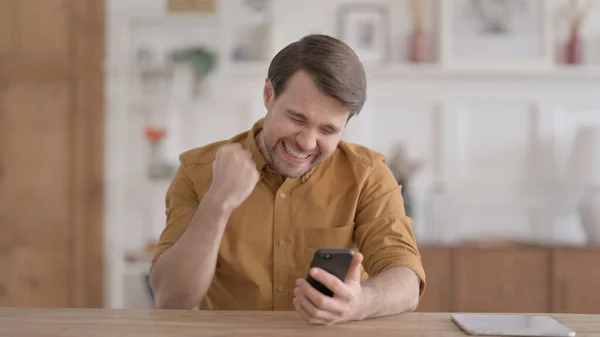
(245, 215)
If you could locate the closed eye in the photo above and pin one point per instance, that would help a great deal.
(328, 131)
(297, 120)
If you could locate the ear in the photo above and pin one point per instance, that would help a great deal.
(268, 93)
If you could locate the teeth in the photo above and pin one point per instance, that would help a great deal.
(291, 151)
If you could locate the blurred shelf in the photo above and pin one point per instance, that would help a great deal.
(249, 68)
(436, 71)
(585, 71)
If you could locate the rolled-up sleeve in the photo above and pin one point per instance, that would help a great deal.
(181, 202)
(384, 234)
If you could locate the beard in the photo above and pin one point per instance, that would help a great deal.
(272, 152)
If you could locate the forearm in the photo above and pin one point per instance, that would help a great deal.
(394, 291)
(183, 273)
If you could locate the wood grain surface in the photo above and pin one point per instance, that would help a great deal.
(22, 322)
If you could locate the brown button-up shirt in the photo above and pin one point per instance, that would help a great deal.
(350, 201)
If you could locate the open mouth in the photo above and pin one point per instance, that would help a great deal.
(294, 155)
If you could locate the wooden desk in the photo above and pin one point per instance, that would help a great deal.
(129, 323)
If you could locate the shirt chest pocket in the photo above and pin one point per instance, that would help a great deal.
(329, 237)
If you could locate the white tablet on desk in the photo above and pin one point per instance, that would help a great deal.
(511, 325)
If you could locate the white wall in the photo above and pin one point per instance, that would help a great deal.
(495, 143)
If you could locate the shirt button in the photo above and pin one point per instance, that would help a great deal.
(280, 288)
(282, 195)
(282, 242)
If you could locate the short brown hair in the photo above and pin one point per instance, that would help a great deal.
(335, 67)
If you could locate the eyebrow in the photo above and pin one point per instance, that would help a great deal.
(301, 116)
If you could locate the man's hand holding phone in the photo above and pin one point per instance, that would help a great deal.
(345, 305)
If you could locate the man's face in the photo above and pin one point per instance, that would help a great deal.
(303, 126)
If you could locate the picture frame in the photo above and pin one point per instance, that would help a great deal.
(365, 28)
(476, 37)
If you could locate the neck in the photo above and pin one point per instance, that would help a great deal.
(262, 147)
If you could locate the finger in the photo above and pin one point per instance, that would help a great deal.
(256, 176)
(313, 314)
(354, 271)
(323, 302)
(330, 281)
(301, 312)
(227, 148)
(231, 147)
(250, 163)
(304, 315)
(248, 154)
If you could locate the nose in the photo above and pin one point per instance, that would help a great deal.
(307, 139)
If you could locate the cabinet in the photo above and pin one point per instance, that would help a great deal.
(511, 278)
(438, 266)
(576, 280)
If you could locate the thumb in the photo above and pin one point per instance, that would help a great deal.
(354, 271)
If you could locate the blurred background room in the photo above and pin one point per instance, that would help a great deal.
(487, 110)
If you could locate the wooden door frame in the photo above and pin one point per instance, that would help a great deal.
(83, 70)
(88, 46)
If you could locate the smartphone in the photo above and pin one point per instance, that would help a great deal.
(334, 261)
